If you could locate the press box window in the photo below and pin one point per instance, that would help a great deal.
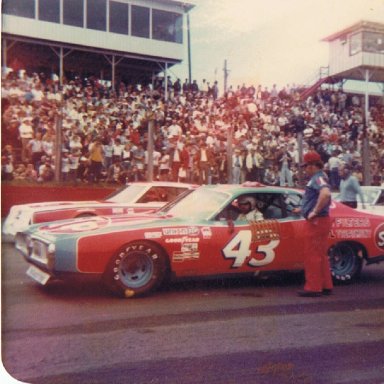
(49, 10)
(118, 17)
(355, 44)
(96, 15)
(73, 12)
(373, 42)
(140, 21)
(22, 8)
(167, 26)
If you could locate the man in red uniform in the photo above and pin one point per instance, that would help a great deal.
(315, 209)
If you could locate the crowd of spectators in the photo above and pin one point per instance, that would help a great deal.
(105, 131)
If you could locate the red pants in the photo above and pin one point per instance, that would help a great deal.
(316, 263)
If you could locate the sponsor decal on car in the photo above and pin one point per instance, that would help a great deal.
(206, 232)
(265, 230)
(117, 211)
(74, 227)
(189, 247)
(183, 256)
(193, 231)
(379, 236)
(184, 239)
(352, 222)
(152, 235)
(353, 233)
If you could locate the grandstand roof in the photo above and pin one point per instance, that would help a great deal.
(187, 6)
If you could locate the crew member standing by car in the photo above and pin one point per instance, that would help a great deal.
(315, 209)
(349, 188)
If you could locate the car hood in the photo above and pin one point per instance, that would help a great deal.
(98, 223)
(52, 205)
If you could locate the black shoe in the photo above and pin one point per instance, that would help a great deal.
(304, 293)
(327, 292)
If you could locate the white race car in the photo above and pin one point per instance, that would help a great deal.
(373, 200)
(131, 199)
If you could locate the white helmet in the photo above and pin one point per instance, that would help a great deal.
(248, 199)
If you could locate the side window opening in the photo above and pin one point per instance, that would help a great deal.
(291, 201)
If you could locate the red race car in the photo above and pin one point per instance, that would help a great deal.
(132, 198)
(201, 234)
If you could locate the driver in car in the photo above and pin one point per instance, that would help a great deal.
(248, 210)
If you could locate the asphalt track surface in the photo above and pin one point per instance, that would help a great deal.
(219, 331)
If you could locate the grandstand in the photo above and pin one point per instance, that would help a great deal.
(125, 40)
(78, 108)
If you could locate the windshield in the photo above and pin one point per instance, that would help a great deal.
(370, 196)
(127, 194)
(200, 204)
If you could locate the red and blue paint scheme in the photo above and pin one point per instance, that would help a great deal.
(198, 235)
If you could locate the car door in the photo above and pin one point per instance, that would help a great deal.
(230, 246)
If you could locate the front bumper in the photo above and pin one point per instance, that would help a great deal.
(36, 251)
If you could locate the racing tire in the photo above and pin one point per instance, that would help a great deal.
(136, 269)
(345, 262)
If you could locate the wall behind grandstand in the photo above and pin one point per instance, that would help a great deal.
(23, 194)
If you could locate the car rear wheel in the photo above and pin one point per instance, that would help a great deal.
(345, 262)
(136, 269)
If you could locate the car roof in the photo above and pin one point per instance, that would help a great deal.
(250, 187)
(164, 184)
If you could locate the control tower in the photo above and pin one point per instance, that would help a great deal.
(357, 53)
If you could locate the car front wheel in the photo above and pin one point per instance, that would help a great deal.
(345, 262)
(136, 269)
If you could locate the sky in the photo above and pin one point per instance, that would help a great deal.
(267, 41)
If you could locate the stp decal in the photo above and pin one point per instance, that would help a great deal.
(239, 249)
(379, 236)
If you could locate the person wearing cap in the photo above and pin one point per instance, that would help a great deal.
(349, 187)
(248, 210)
(315, 208)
